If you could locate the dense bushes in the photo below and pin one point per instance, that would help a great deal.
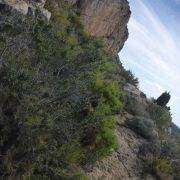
(60, 96)
(163, 99)
(161, 166)
(144, 127)
(109, 94)
(160, 115)
(135, 107)
(157, 158)
(107, 103)
(128, 77)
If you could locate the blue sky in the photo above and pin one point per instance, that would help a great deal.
(152, 51)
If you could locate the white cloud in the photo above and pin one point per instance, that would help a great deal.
(154, 54)
(159, 88)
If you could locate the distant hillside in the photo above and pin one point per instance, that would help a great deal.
(175, 129)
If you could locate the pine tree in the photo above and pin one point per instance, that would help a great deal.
(163, 99)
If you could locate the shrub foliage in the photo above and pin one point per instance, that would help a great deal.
(144, 127)
(59, 96)
(163, 99)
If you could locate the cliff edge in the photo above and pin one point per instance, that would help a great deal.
(106, 19)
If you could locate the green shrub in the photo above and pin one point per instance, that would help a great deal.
(59, 88)
(72, 152)
(135, 108)
(162, 164)
(105, 142)
(160, 115)
(128, 77)
(110, 103)
(109, 122)
(159, 158)
(163, 99)
(108, 91)
(142, 126)
(159, 164)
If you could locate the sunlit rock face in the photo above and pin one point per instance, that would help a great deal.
(102, 18)
(107, 19)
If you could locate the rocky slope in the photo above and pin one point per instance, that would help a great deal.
(106, 19)
(125, 163)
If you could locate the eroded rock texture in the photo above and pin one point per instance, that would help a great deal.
(107, 19)
(102, 18)
(124, 163)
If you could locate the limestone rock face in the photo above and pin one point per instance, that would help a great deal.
(107, 19)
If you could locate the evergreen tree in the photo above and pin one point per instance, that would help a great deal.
(163, 99)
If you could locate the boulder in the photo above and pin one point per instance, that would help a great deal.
(28, 7)
(19, 5)
(46, 15)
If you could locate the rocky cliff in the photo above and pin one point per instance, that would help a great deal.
(106, 19)
(102, 18)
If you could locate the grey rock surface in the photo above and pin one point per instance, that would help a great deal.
(28, 7)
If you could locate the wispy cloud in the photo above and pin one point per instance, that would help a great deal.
(177, 1)
(154, 54)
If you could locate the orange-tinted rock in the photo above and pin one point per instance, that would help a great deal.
(107, 19)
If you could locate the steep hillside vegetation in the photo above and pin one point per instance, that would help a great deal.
(68, 109)
(59, 94)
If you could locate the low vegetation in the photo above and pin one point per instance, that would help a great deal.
(152, 120)
(60, 94)
(128, 77)
(136, 108)
(160, 115)
(157, 158)
(144, 127)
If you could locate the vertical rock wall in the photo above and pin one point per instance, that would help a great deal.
(107, 19)
(102, 18)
